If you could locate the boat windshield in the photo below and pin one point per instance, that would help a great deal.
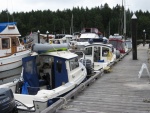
(73, 63)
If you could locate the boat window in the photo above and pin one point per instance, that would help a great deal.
(74, 63)
(29, 67)
(59, 66)
(105, 51)
(5, 43)
(84, 40)
(88, 51)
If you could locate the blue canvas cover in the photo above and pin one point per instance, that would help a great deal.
(30, 74)
(60, 71)
(5, 24)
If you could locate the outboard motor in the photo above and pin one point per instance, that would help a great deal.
(88, 65)
(7, 101)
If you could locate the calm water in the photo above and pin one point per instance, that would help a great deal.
(10, 75)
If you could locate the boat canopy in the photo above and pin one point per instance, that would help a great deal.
(9, 29)
(30, 74)
(5, 24)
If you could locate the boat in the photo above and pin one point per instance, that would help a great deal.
(55, 39)
(11, 49)
(101, 55)
(86, 35)
(119, 43)
(47, 75)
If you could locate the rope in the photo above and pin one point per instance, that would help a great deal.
(63, 99)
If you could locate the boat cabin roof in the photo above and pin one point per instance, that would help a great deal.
(100, 44)
(9, 29)
(61, 54)
(4, 37)
(89, 35)
(116, 39)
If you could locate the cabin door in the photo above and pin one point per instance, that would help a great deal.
(98, 62)
(13, 45)
(97, 54)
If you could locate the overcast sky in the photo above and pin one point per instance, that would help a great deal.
(53, 5)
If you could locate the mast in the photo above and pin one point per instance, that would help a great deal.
(124, 30)
(72, 25)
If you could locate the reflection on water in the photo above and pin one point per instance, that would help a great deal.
(10, 75)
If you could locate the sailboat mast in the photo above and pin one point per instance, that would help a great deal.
(124, 30)
(72, 24)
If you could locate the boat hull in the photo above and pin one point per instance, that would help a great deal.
(13, 61)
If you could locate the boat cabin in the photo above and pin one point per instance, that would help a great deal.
(10, 45)
(51, 70)
(9, 41)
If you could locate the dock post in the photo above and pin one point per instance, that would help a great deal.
(134, 36)
(47, 38)
(38, 36)
(144, 37)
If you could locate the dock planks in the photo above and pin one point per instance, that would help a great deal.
(120, 91)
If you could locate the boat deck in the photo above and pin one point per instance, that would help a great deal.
(120, 91)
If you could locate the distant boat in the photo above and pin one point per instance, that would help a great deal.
(98, 54)
(119, 43)
(47, 75)
(11, 49)
(86, 35)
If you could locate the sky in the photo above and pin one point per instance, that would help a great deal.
(54, 5)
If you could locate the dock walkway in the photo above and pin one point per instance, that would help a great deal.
(120, 91)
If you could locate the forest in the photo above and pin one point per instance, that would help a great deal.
(107, 20)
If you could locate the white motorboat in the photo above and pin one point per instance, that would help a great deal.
(11, 50)
(86, 35)
(100, 55)
(46, 77)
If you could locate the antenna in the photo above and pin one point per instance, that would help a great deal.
(7, 14)
(12, 11)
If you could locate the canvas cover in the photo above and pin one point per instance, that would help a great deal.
(30, 74)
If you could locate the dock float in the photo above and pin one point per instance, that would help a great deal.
(120, 91)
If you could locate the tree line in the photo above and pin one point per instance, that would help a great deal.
(107, 20)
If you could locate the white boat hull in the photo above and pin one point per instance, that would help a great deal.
(13, 61)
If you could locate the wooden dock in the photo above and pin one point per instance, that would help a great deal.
(120, 91)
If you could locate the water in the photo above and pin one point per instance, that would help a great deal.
(10, 75)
